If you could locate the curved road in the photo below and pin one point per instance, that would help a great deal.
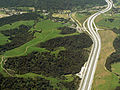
(87, 79)
(92, 30)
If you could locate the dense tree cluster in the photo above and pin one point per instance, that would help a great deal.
(68, 61)
(116, 44)
(66, 30)
(114, 57)
(36, 83)
(16, 83)
(51, 4)
(75, 42)
(74, 85)
(116, 30)
(17, 37)
(21, 17)
(117, 88)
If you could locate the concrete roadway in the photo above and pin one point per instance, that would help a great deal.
(87, 80)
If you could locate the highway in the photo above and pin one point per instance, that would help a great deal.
(92, 30)
(87, 79)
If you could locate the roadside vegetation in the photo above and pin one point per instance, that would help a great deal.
(82, 16)
(107, 73)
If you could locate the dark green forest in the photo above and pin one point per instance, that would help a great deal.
(51, 4)
(15, 83)
(15, 18)
(67, 30)
(67, 61)
(37, 83)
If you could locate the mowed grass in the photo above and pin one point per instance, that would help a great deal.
(116, 68)
(105, 80)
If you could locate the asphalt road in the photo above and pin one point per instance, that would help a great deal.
(87, 80)
(92, 30)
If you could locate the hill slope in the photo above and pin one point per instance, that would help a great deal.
(51, 4)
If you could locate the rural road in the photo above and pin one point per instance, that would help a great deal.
(89, 71)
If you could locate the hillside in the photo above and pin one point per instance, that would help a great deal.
(38, 52)
(52, 4)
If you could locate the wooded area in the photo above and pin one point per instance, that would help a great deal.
(15, 83)
(21, 17)
(67, 61)
(51, 4)
(67, 30)
(18, 37)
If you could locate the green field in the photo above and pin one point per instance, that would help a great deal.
(106, 80)
(16, 25)
(81, 17)
(116, 68)
(49, 31)
(3, 39)
(103, 22)
(2, 12)
(111, 81)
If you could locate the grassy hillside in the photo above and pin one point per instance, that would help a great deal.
(45, 54)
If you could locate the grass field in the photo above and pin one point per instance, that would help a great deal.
(81, 17)
(65, 16)
(116, 68)
(105, 80)
(16, 25)
(104, 23)
(49, 31)
(2, 12)
(3, 39)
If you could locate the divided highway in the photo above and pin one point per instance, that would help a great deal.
(92, 30)
(87, 79)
